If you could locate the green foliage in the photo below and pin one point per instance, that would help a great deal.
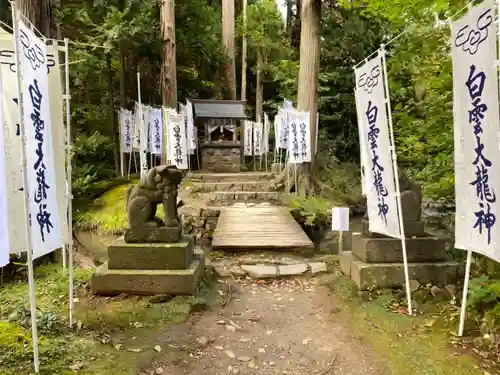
(264, 28)
(130, 27)
(315, 210)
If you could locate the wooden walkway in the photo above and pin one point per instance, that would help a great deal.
(259, 228)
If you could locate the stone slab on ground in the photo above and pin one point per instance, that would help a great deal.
(369, 276)
(389, 250)
(153, 235)
(260, 271)
(154, 256)
(317, 267)
(292, 269)
(148, 282)
(412, 228)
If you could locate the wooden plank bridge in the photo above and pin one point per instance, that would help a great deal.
(270, 228)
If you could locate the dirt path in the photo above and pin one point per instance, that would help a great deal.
(284, 327)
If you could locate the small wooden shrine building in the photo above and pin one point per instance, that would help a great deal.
(219, 125)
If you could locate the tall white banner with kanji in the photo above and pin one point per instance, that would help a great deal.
(43, 205)
(373, 121)
(476, 127)
(4, 207)
(13, 164)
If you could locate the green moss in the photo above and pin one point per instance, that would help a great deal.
(107, 212)
(317, 210)
(404, 342)
(100, 323)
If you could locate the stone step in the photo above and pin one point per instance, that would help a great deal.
(231, 177)
(245, 196)
(205, 187)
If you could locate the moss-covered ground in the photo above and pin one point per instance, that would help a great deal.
(419, 345)
(110, 335)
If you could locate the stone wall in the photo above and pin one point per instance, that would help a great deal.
(202, 226)
(221, 158)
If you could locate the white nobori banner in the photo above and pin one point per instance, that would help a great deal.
(281, 125)
(476, 119)
(299, 137)
(142, 124)
(156, 131)
(265, 139)
(380, 184)
(4, 206)
(43, 204)
(191, 129)
(13, 165)
(257, 139)
(247, 138)
(126, 126)
(176, 138)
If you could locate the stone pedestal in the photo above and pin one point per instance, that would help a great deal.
(149, 268)
(221, 157)
(376, 261)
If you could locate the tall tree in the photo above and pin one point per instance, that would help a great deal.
(307, 98)
(169, 65)
(228, 23)
(244, 55)
(265, 31)
(39, 12)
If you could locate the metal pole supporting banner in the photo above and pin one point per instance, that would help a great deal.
(396, 179)
(29, 242)
(69, 170)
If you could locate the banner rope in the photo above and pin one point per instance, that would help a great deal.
(405, 31)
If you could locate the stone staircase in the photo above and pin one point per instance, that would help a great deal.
(228, 188)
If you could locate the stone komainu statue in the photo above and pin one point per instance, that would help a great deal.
(158, 186)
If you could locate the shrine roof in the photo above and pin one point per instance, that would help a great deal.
(218, 109)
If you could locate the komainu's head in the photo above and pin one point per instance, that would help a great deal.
(171, 174)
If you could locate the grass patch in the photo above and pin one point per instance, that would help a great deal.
(111, 335)
(106, 212)
(407, 344)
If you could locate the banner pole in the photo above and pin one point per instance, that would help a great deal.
(70, 183)
(122, 162)
(31, 273)
(463, 308)
(396, 178)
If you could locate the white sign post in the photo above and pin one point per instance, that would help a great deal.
(476, 119)
(340, 223)
(379, 156)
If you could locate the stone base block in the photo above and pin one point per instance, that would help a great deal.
(153, 235)
(345, 259)
(389, 250)
(245, 196)
(370, 276)
(148, 282)
(152, 256)
(277, 167)
(412, 228)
